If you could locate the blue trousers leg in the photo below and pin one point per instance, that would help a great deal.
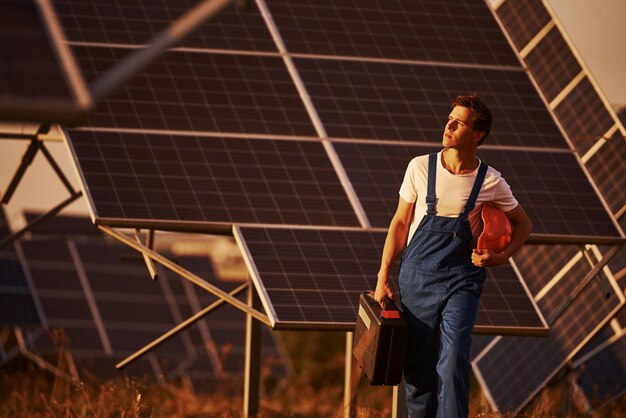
(437, 368)
(421, 307)
(453, 367)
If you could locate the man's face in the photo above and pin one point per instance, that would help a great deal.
(459, 132)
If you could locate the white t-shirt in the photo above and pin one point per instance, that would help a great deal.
(452, 192)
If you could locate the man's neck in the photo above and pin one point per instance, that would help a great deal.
(459, 161)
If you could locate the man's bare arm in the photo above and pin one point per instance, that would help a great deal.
(522, 227)
(394, 245)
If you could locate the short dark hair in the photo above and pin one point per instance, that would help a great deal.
(481, 115)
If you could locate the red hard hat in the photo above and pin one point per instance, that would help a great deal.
(497, 229)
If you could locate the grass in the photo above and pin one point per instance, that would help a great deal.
(316, 390)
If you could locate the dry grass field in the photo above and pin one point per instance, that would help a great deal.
(316, 390)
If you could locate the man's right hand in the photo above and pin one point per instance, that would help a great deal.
(382, 288)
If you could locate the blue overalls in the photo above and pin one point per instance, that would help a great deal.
(439, 289)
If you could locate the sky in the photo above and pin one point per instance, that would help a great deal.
(596, 27)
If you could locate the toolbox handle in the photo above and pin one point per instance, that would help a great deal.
(390, 310)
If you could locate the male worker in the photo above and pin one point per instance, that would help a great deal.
(441, 277)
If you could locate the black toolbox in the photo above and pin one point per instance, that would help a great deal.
(380, 340)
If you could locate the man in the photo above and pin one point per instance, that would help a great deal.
(441, 277)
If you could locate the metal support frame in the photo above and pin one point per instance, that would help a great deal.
(186, 274)
(253, 321)
(349, 381)
(149, 264)
(27, 159)
(252, 373)
(180, 327)
(606, 287)
(582, 284)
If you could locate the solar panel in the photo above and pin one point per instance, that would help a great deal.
(400, 30)
(523, 19)
(136, 22)
(479, 343)
(36, 81)
(514, 369)
(200, 91)
(606, 166)
(541, 263)
(553, 64)
(109, 309)
(17, 307)
(605, 334)
(410, 102)
(313, 278)
(584, 116)
(549, 185)
(602, 375)
(150, 179)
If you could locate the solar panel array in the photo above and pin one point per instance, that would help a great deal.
(311, 111)
(210, 98)
(313, 278)
(600, 367)
(598, 138)
(100, 295)
(514, 369)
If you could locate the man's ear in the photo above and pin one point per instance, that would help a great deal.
(478, 136)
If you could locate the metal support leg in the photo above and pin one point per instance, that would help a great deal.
(149, 264)
(50, 214)
(180, 327)
(57, 169)
(347, 383)
(394, 402)
(253, 358)
(604, 284)
(186, 274)
(27, 159)
(399, 409)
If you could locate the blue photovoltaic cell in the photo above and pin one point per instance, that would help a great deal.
(17, 307)
(583, 116)
(199, 91)
(608, 171)
(136, 22)
(205, 181)
(409, 102)
(29, 68)
(523, 19)
(553, 64)
(603, 376)
(402, 29)
(538, 264)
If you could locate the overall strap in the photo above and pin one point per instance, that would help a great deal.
(431, 194)
(478, 184)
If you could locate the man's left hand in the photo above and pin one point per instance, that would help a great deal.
(486, 258)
